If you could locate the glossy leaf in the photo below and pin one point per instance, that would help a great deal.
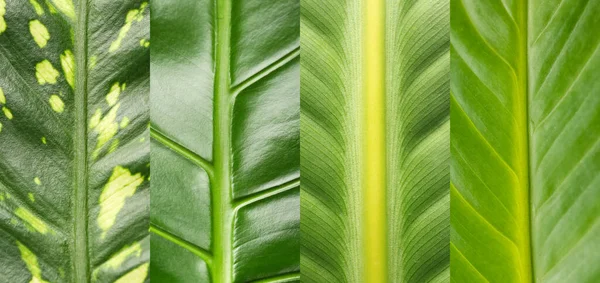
(525, 131)
(225, 152)
(375, 96)
(74, 151)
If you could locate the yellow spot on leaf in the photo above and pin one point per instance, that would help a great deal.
(142, 139)
(113, 94)
(138, 275)
(50, 7)
(66, 7)
(32, 264)
(57, 104)
(44, 140)
(127, 252)
(132, 15)
(32, 220)
(144, 42)
(93, 61)
(7, 113)
(37, 181)
(121, 185)
(2, 97)
(31, 197)
(95, 120)
(106, 129)
(2, 13)
(45, 73)
(0, 127)
(39, 32)
(124, 123)
(67, 61)
(38, 8)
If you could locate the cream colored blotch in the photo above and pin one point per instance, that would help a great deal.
(31, 263)
(57, 104)
(120, 186)
(67, 61)
(133, 15)
(2, 13)
(138, 275)
(39, 32)
(2, 97)
(45, 72)
(32, 220)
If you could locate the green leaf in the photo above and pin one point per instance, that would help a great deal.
(225, 149)
(74, 151)
(525, 141)
(375, 144)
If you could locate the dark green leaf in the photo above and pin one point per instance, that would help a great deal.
(225, 153)
(73, 141)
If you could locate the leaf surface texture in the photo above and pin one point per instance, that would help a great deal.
(525, 151)
(415, 211)
(225, 148)
(74, 151)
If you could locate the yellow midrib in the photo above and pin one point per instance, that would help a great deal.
(374, 184)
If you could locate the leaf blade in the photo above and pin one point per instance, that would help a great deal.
(54, 215)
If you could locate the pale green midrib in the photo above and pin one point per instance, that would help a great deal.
(205, 255)
(80, 252)
(221, 187)
(526, 249)
(525, 84)
(183, 151)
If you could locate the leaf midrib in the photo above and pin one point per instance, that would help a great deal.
(374, 147)
(80, 252)
(221, 196)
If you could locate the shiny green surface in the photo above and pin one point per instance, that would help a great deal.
(74, 155)
(524, 140)
(225, 151)
(416, 141)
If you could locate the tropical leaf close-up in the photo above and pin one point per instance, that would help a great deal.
(375, 141)
(525, 141)
(74, 145)
(225, 95)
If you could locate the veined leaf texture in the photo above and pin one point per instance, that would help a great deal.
(74, 146)
(525, 141)
(375, 141)
(225, 78)
(325, 141)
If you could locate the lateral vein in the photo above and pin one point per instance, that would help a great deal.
(205, 255)
(266, 193)
(182, 150)
(266, 71)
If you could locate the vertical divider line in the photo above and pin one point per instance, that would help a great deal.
(221, 189)
(80, 259)
(374, 185)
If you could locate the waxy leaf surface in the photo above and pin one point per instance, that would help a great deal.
(225, 149)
